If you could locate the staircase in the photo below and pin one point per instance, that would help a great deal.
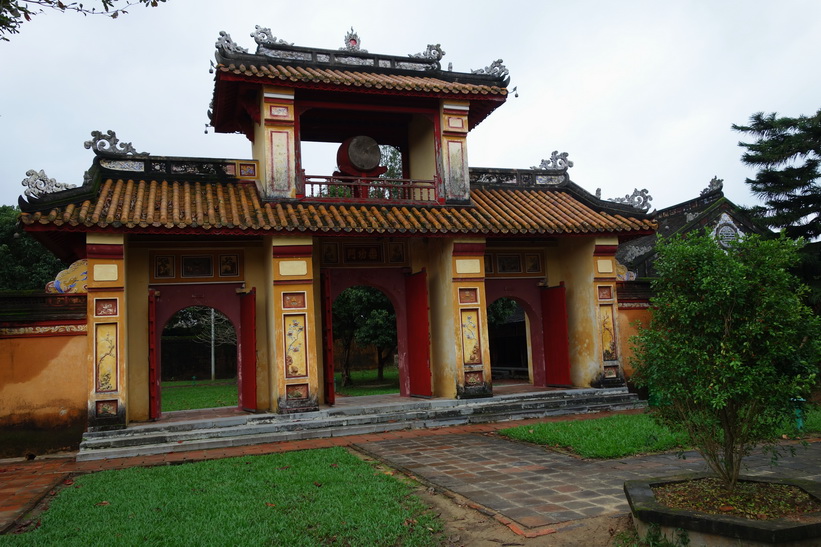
(370, 415)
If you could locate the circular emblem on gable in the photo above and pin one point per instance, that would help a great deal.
(726, 233)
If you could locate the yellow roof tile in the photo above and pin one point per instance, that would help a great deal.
(148, 206)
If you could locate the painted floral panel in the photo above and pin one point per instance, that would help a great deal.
(471, 341)
(106, 357)
(296, 364)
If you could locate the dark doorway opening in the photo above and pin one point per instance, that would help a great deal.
(365, 343)
(508, 333)
(199, 360)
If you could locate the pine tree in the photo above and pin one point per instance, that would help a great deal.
(787, 152)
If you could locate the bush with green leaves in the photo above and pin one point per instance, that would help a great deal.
(731, 344)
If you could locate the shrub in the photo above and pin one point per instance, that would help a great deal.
(730, 345)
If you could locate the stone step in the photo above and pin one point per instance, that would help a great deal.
(158, 438)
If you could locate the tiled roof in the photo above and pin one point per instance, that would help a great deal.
(230, 207)
(359, 79)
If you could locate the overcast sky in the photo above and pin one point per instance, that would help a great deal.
(641, 94)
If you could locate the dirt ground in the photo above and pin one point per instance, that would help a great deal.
(470, 527)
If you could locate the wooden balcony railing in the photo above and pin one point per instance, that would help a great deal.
(367, 190)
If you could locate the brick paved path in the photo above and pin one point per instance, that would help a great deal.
(519, 482)
(535, 487)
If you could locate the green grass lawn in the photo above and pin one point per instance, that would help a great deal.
(611, 437)
(312, 497)
(194, 394)
(365, 383)
(812, 419)
(621, 435)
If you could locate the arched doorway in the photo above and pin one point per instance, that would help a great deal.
(199, 360)
(508, 330)
(365, 343)
(408, 296)
(231, 300)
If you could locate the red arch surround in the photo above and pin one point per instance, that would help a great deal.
(526, 292)
(170, 299)
(391, 281)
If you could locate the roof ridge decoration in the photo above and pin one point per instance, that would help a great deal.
(226, 43)
(639, 199)
(557, 162)
(352, 42)
(433, 51)
(38, 184)
(496, 68)
(352, 54)
(110, 144)
(716, 185)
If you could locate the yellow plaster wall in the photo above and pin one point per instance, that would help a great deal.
(275, 145)
(575, 266)
(136, 304)
(32, 367)
(267, 338)
(295, 275)
(626, 324)
(257, 271)
(36, 418)
(421, 149)
(469, 273)
(444, 325)
(317, 313)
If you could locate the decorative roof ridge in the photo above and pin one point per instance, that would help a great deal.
(271, 50)
(701, 202)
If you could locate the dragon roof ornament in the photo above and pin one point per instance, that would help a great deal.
(639, 199)
(557, 162)
(38, 184)
(110, 144)
(496, 68)
(715, 185)
(225, 43)
(433, 52)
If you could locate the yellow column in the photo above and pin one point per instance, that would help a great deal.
(470, 305)
(604, 257)
(275, 144)
(106, 331)
(454, 124)
(296, 326)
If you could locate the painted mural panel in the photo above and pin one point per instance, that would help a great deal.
(293, 300)
(106, 409)
(296, 391)
(469, 295)
(280, 160)
(608, 334)
(105, 337)
(296, 364)
(105, 307)
(471, 341)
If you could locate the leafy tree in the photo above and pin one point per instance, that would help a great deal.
(366, 315)
(14, 12)
(501, 310)
(392, 159)
(195, 322)
(730, 344)
(24, 263)
(786, 152)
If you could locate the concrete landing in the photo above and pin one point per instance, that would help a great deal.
(222, 428)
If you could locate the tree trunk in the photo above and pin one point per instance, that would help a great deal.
(346, 362)
(382, 359)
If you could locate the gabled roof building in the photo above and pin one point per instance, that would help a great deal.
(271, 245)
